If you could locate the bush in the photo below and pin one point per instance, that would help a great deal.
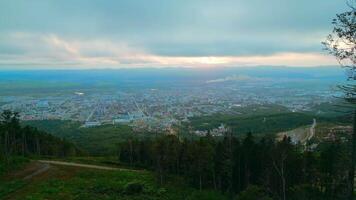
(205, 195)
(303, 192)
(134, 188)
(253, 193)
(12, 163)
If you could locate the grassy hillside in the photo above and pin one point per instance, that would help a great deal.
(260, 121)
(256, 124)
(100, 140)
(68, 183)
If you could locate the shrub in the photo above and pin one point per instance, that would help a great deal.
(205, 195)
(134, 188)
(253, 193)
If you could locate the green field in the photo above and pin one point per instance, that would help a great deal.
(102, 140)
(67, 183)
(263, 124)
(270, 119)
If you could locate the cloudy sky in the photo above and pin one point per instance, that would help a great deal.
(164, 33)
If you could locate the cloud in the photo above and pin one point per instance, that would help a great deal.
(52, 50)
(164, 30)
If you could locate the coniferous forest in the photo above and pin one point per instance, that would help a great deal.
(246, 167)
(16, 140)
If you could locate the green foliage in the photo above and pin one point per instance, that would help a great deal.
(253, 193)
(232, 166)
(269, 123)
(133, 188)
(7, 165)
(18, 140)
(12, 163)
(106, 185)
(97, 141)
(8, 187)
(206, 195)
(305, 192)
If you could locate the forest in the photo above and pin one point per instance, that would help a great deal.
(23, 141)
(246, 168)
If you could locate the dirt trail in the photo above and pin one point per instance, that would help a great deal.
(44, 168)
(82, 165)
(40, 170)
(301, 134)
(311, 132)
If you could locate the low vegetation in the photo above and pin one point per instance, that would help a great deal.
(67, 183)
(97, 141)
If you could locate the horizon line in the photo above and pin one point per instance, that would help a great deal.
(163, 68)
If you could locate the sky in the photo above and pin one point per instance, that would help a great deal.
(76, 34)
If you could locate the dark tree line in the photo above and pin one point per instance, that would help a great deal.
(16, 140)
(279, 168)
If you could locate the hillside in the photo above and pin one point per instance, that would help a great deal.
(67, 182)
(102, 140)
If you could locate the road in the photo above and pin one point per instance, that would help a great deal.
(302, 134)
(90, 115)
(312, 130)
(78, 165)
(311, 134)
(100, 167)
(45, 165)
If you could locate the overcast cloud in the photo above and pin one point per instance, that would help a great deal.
(185, 33)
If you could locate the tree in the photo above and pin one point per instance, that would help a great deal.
(248, 158)
(284, 161)
(160, 148)
(236, 168)
(332, 170)
(341, 43)
(202, 165)
(23, 141)
(10, 124)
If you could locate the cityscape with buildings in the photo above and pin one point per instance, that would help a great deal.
(161, 108)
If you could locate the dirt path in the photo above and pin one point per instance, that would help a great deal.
(80, 165)
(43, 168)
(40, 170)
(301, 134)
(312, 130)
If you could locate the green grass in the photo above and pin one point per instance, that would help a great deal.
(85, 184)
(9, 165)
(102, 140)
(260, 124)
(8, 187)
(264, 119)
(12, 163)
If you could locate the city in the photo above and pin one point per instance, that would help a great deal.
(159, 109)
